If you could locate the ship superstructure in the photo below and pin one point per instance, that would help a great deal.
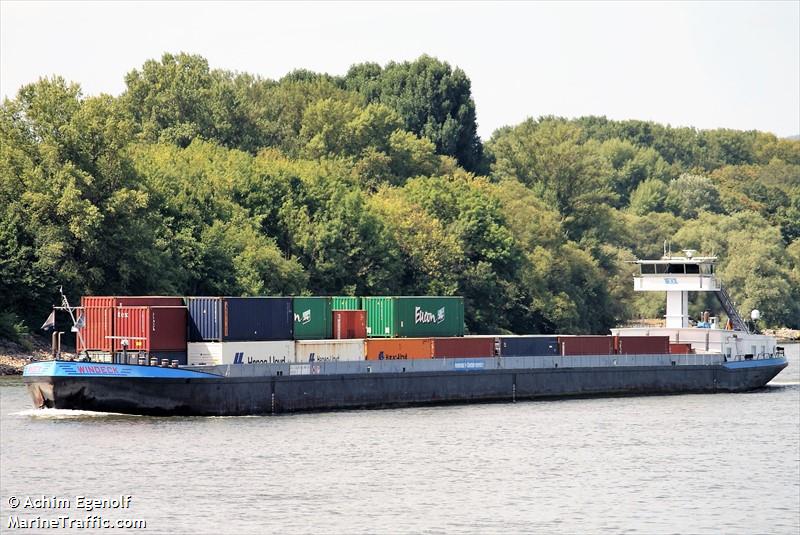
(677, 276)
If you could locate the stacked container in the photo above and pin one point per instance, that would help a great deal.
(414, 316)
(98, 328)
(349, 324)
(325, 350)
(209, 353)
(472, 347)
(312, 317)
(346, 302)
(397, 348)
(528, 346)
(240, 330)
(158, 331)
(244, 319)
(586, 345)
(680, 349)
(98, 314)
(641, 345)
(427, 348)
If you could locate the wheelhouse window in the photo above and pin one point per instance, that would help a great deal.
(675, 269)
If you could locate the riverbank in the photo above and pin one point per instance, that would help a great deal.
(14, 356)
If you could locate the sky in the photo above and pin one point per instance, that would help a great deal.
(707, 65)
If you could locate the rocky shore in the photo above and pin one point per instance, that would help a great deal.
(14, 357)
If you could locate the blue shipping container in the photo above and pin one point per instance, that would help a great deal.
(528, 346)
(257, 318)
(205, 319)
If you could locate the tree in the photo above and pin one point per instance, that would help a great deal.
(688, 195)
(547, 156)
(433, 99)
(649, 196)
(754, 266)
(630, 166)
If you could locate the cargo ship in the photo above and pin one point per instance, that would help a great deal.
(226, 356)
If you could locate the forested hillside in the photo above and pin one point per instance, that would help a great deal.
(202, 181)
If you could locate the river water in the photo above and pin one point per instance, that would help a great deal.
(721, 463)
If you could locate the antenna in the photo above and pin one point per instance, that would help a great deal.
(71, 311)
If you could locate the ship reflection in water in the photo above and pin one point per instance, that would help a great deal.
(656, 464)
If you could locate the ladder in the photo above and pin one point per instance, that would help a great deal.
(736, 320)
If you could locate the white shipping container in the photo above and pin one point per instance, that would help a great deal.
(321, 350)
(199, 353)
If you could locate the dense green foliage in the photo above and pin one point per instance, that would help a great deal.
(200, 181)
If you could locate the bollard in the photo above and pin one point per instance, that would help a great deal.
(153, 361)
(174, 363)
(165, 363)
(142, 361)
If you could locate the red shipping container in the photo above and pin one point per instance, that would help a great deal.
(98, 327)
(97, 301)
(462, 347)
(149, 301)
(349, 324)
(586, 345)
(680, 349)
(642, 345)
(150, 328)
(131, 301)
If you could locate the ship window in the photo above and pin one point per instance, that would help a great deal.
(675, 268)
(692, 269)
(661, 268)
(706, 269)
(648, 269)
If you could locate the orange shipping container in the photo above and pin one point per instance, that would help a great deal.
(98, 327)
(131, 300)
(398, 348)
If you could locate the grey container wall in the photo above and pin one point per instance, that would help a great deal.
(205, 319)
(257, 318)
(528, 346)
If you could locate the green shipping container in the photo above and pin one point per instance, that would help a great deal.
(346, 302)
(414, 316)
(313, 318)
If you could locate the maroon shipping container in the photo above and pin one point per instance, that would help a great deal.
(131, 301)
(680, 349)
(98, 327)
(150, 328)
(642, 345)
(586, 345)
(349, 324)
(462, 347)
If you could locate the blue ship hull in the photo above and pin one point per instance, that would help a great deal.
(284, 388)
